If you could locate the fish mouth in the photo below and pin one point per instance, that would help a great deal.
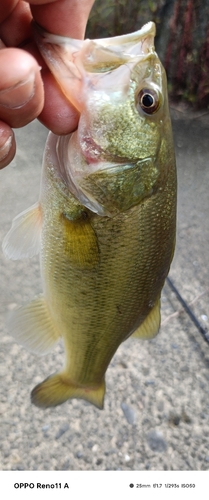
(94, 154)
(91, 152)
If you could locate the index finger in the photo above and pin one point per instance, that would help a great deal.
(6, 7)
(66, 18)
(62, 17)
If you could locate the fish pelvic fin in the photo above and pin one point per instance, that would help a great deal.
(151, 325)
(57, 389)
(31, 326)
(23, 239)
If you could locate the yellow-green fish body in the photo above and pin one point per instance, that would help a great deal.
(106, 215)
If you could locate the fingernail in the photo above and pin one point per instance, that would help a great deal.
(18, 95)
(4, 150)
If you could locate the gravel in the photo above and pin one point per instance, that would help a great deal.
(156, 413)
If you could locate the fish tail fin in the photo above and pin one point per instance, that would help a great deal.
(57, 389)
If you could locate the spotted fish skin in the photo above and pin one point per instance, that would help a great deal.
(106, 218)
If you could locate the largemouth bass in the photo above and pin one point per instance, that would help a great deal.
(105, 220)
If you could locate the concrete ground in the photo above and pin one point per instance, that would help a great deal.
(156, 414)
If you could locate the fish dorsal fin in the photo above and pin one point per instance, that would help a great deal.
(31, 326)
(23, 239)
(78, 65)
(150, 326)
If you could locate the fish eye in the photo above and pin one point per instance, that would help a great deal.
(148, 100)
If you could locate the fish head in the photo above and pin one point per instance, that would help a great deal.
(119, 87)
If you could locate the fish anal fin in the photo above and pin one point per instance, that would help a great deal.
(23, 239)
(150, 326)
(32, 326)
(57, 389)
(80, 242)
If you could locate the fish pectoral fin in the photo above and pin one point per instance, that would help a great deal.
(32, 326)
(23, 239)
(150, 326)
(57, 389)
(80, 242)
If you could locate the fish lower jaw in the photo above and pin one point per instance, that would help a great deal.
(91, 152)
(95, 155)
(97, 158)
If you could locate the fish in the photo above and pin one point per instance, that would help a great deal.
(105, 222)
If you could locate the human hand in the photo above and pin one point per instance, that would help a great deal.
(25, 92)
